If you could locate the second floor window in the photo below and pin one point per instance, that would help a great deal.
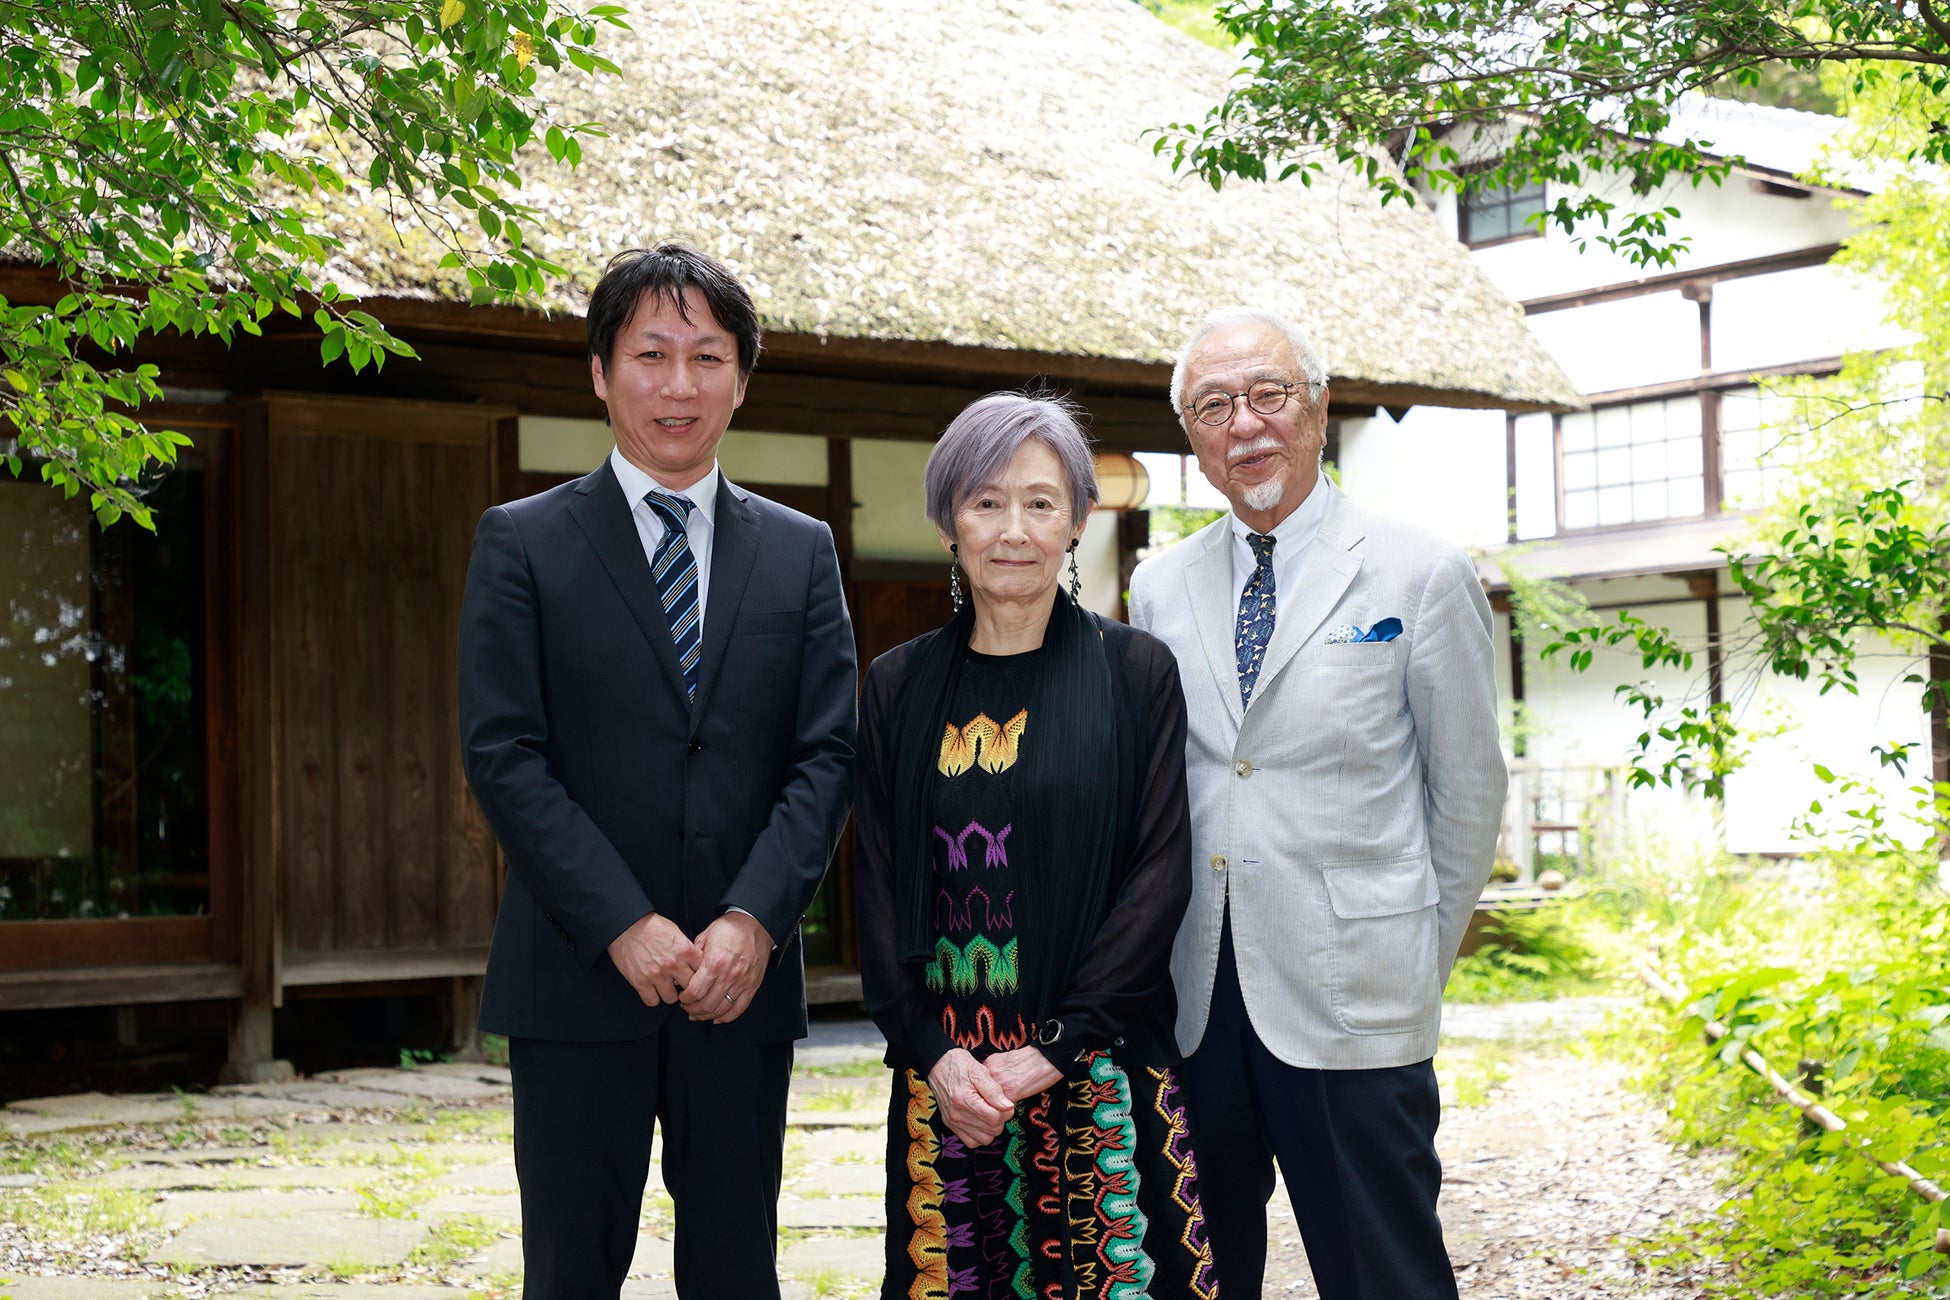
(1632, 463)
(1490, 216)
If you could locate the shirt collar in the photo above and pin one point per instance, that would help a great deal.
(1298, 530)
(637, 484)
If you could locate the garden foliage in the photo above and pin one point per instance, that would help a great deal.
(1836, 971)
(1590, 87)
(166, 160)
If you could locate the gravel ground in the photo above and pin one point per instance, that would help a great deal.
(1552, 1169)
(1546, 1182)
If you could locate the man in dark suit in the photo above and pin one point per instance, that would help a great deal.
(657, 714)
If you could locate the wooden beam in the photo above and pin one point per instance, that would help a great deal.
(1715, 382)
(1819, 255)
(107, 986)
(366, 967)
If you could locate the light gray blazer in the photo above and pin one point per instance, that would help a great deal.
(1353, 811)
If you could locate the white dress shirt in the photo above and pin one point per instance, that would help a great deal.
(699, 525)
(1291, 537)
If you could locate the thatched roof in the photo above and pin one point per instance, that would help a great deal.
(975, 172)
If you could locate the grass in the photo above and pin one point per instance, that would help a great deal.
(1472, 1074)
(867, 1069)
(454, 1240)
(50, 1214)
(832, 1099)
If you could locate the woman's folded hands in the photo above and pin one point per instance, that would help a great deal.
(973, 1105)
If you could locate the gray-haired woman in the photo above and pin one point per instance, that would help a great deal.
(1024, 861)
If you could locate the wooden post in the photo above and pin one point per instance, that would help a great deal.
(1517, 816)
(461, 1015)
(252, 1058)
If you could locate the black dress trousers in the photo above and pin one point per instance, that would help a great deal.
(1357, 1149)
(584, 1115)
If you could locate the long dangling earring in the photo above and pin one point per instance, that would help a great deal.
(954, 576)
(1076, 582)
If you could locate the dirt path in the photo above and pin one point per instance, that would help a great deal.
(1551, 1167)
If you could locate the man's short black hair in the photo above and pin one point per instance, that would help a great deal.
(667, 271)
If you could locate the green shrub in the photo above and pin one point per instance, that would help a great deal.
(1526, 955)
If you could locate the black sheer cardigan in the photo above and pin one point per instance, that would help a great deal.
(1121, 995)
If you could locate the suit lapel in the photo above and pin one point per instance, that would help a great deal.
(1326, 569)
(1208, 584)
(604, 517)
(734, 548)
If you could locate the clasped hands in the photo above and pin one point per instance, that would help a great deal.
(712, 978)
(977, 1098)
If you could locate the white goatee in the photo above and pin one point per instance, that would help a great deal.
(1265, 496)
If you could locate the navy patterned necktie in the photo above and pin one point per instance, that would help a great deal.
(1257, 607)
(675, 570)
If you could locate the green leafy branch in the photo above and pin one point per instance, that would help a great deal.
(1585, 91)
(1870, 569)
(165, 159)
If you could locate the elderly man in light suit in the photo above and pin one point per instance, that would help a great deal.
(1346, 788)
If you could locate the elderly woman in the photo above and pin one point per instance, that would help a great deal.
(1024, 861)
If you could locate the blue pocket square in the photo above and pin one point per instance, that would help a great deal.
(1386, 629)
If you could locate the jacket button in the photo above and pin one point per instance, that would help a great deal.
(1243, 767)
(1218, 862)
(695, 747)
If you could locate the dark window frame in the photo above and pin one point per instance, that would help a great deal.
(1504, 202)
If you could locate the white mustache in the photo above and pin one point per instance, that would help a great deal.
(1254, 448)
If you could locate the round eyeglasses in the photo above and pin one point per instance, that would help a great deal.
(1265, 397)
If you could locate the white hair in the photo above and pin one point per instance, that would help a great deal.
(1313, 366)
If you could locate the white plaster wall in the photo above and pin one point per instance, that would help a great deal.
(1801, 315)
(891, 521)
(1577, 717)
(1440, 468)
(1536, 503)
(551, 445)
(1728, 224)
(1777, 783)
(1623, 344)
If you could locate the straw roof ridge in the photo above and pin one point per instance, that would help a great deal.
(977, 172)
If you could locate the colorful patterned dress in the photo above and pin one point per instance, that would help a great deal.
(1096, 1173)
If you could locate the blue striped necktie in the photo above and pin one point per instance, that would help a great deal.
(675, 570)
(1257, 605)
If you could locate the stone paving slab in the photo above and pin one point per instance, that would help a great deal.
(316, 1093)
(422, 1084)
(499, 1075)
(844, 1180)
(653, 1258)
(199, 1156)
(832, 1212)
(102, 1108)
(309, 1241)
(348, 1291)
(506, 1208)
(19, 1124)
(85, 1288)
(384, 1153)
(836, 1119)
(235, 1177)
(854, 1258)
(487, 1178)
(180, 1208)
(839, 1144)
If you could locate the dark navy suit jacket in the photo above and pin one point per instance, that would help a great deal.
(609, 794)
